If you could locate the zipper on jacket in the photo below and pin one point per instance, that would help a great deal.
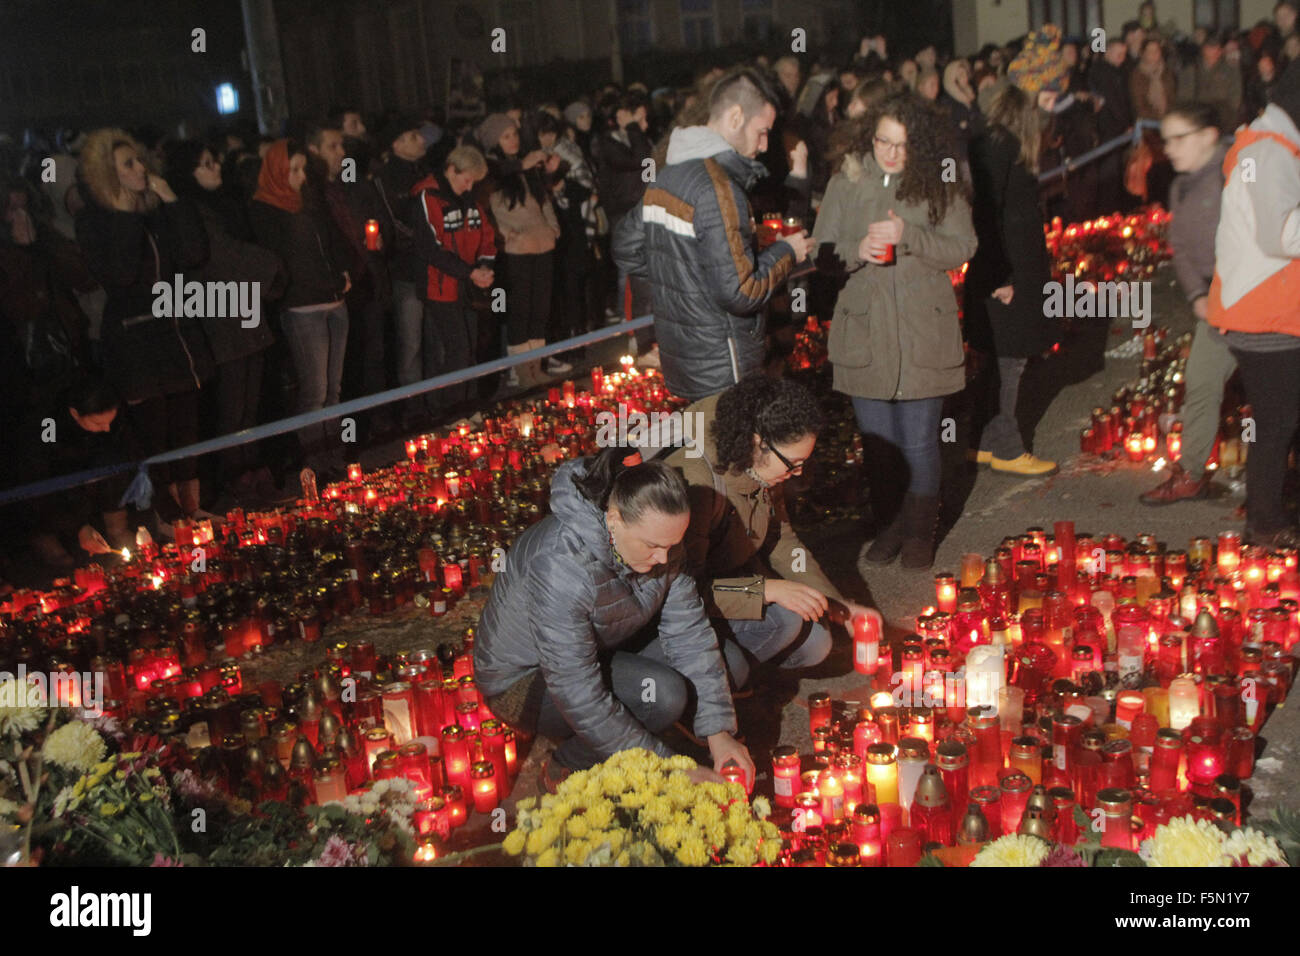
(743, 589)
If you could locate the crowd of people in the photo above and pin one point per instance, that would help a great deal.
(388, 252)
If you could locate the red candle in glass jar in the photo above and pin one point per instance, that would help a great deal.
(945, 593)
(819, 710)
(866, 834)
(455, 755)
(903, 846)
(1241, 752)
(1205, 760)
(1015, 788)
(785, 776)
(453, 796)
(1116, 805)
(452, 578)
(866, 643)
(372, 234)
(483, 775)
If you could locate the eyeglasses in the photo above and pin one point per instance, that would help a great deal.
(791, 467)
(885, 146)
(1169, 139)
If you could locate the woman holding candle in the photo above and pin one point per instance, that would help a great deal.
(763, 590)
(296, 224)
(560, 648)
(895, 341)
(1004, 309)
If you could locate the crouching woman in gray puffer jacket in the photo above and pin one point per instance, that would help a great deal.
(561, 650)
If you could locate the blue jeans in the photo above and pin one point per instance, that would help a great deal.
(408, 321)
(317, 342)
(911, 426)
(766, 638)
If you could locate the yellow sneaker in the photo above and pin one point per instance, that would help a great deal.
(1026, 465)
(978, 456)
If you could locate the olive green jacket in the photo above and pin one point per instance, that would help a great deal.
(895, 333)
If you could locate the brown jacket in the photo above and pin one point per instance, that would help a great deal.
(527, 229)
(1144, 105)
(736, 541)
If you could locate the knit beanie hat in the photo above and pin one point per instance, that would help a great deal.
(574, 110)
(1287, 92)
(1040, 67)
(491, 129)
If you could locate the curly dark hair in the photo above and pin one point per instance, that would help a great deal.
(779, 410)
(929, 143)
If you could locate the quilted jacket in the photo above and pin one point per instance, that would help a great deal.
(693, 238)
(564, 602)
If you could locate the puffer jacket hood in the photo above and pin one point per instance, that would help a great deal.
(564, 602)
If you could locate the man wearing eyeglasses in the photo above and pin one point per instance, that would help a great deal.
(764, 592)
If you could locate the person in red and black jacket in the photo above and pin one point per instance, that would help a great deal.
(455, 241)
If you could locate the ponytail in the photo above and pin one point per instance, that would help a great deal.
(617, 476)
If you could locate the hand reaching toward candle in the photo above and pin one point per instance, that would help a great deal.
(92, 541)
(809, 603)
(726, 749)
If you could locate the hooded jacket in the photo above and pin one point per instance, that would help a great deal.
(693, 238)
(1256, 285)
(451, 238)
(564, 601)
(894, 333)
(1194, 200)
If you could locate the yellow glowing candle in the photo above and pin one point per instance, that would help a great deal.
(882, 772)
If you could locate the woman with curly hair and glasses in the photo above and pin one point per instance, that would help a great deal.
(896, 216)
(763, 590)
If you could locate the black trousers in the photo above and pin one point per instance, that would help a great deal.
(166, 423)
(1272, 383)
(529, 281)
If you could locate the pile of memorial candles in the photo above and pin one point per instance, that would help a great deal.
(172, 623)
(1065, 671)
(1140, 423)
(1108, 248)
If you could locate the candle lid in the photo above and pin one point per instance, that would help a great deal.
(974, 826)
(482, 769)
(930, 791)
(866, 813)
(1114, 799)
(1034, 823)
(912, 748)
(1205, 626)
(1015, 782)
(880, 754)
(951, 755)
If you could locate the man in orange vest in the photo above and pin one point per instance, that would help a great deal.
(1255, 298)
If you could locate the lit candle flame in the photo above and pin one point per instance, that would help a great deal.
(126, 554)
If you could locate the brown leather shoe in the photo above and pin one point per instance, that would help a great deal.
(1179, 486)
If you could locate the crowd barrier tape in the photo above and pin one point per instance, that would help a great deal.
(1130, 138)
(38, 489)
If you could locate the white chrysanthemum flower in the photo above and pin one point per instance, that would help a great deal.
(380, 787)
(8, 807)
(1014, 849)
(75, 746)
(21, 708)
(1258, 849)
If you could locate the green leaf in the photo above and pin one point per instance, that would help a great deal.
(930, 860)
(1090, 836)
(1111, 856)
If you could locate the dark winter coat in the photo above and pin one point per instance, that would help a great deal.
(693, 238)
(234, 260)
(394, 184)
(1011, 252)
(895, 332)
(619, 168)
(564, 603)
(1111, 83)
(311, 248)
(127, 253)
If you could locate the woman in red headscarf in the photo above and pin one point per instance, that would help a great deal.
(296, 225)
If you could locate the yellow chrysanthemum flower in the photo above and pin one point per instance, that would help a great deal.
(107, 809)
(669, 836)
(769, 850)
(550, 858)
(716, 833)
(540, 839)
(600, 814)
(623, 859)
(576, 852)
(681, 762)
(616, 839)
(742, 855)
(693, 853)
(1013, 850)
(527, 803)
(514, 843)
(1185, 841)
(578, 827)
(614, 782)
(706, 812)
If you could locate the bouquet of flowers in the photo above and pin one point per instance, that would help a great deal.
(639, 809)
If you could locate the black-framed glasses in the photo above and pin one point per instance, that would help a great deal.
(1177, 136)
(790, 466)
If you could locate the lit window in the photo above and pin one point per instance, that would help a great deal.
(227, 99)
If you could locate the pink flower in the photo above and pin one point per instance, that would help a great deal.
(160, 860)
(1062, 856)
(337, 852)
